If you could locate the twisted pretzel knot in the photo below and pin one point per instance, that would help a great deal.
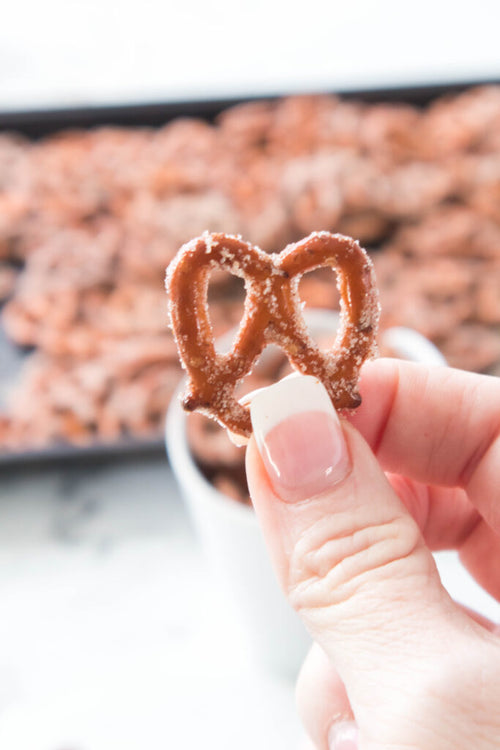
(272, 314)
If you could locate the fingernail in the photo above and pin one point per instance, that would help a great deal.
(299, 437)
(343, 736)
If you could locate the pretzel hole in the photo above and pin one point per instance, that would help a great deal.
(226, 303)
(318, 289)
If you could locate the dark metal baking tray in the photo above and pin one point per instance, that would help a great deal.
(41, 122)
(11, 359)
(38, 123)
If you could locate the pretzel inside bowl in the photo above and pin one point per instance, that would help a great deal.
(272, 314)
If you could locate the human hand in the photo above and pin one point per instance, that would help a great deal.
(351, 546)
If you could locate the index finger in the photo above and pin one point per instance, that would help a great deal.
(436, 425)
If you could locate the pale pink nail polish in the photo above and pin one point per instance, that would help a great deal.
(343, 736)
(299, 437)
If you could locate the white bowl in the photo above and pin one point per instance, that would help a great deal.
(236, 553)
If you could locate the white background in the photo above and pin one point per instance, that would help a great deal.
(67, 52)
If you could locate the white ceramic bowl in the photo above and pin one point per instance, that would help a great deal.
(235, 551)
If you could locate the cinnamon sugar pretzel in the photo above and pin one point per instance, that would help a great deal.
(272, 314)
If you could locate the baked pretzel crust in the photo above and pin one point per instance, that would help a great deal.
(272, 314)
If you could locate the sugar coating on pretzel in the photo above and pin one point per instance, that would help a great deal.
(272, 314)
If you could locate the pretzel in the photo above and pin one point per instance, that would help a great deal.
(272, 314)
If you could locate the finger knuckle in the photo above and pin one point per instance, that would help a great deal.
(332, 560)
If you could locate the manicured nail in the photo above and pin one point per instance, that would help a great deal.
(299, 437)
(343, 736)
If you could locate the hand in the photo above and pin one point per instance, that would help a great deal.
(397, 663)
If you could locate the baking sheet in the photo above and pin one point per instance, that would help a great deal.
(36, 124)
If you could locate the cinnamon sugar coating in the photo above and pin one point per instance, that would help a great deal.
(272, 315)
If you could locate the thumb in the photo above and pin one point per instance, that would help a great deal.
(347, 552)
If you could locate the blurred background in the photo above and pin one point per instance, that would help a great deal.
(126, 129)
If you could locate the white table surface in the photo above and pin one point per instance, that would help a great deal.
(112, 634)
(73, 52)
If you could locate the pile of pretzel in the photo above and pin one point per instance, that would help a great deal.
(89, 220)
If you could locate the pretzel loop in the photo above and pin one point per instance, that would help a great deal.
(359, 313)
(271, 314)
(213, 376)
